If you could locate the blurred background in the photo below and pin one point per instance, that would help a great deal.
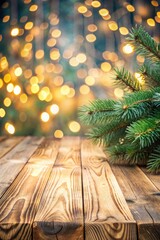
(57, 55)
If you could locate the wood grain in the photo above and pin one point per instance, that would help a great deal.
(60, 214)
(12, 163)
(106, 213)
(7, 144)
(145, 205)
(20, 202)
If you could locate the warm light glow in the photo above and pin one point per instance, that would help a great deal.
(35, 88)
(3, 63)
(91, 37)
(82, 9)
(33, 80)
(118, 92)
(51, 42)
(10, 128)
(130, 8)
(58, 133)
(90, 80)
(151, 22)
(7, 102)
(33, 8)
(23, 98)
(105, 66)
(56, 33)
(55, 54)
(17, 90)
(103, 12)
(123, 30)
(65, 89)
(6, 18)
(39, 54)
(127, 49)
(96, 4)
(1, 83)
(18, 71)
(28, 25)
(140, 78)
(10, 87)
(14, 32)
(2, 113)
(84, 89)
(112, 25)
(140, 58)
(7, 78)
(45, 117)
(155, 3)
(73, 62)
(81, 57)
(54, 108)
(71, 93)
(92, 28)
(74, 126)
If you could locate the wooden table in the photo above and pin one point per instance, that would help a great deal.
(66, 190)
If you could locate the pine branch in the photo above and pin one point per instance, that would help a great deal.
(144, 132)
(98, 112)
(144, 44)
(134, 105)
(125, 79)
(151, 74)
(153, 164)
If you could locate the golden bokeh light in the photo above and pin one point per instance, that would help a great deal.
(112, 25)
(14, 32)
(18, 71)
(82, 9)
(39, 54)
(103, 12)
(7, 102)
(17, 90)
(84, 89)
(33, 8)
(23, 98)
(45, 116)
(90, 80)
(123, 30)
(6, 18)
(10, 87)
(81, 57)
(65, 90)
(130, 8)
(91, 37)
(56, 33)
(28, 25)
(1, 83)
(92, 28)
(74, 126)
(2, 112)
(51, 42)
(10, 128)
(106, 67)
(7, 78)
(151, 22)
(118, 92)
(96, 4)
(54, 54)
(58, 134)
(127, 49)
(54, 109)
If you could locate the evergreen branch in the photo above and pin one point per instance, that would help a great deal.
(108, 134)
(153, 164)
(144, 44)
(151, 74)
(97, 112)
(125, 79)
(144, 132)
(134, 105)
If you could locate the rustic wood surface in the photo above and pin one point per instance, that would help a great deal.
(66, 190)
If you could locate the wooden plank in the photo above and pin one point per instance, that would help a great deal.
(60, 214)
(106, 212)
(12, 163)
(20, 202)
(145, 205)
(154, 178)
(6, 144)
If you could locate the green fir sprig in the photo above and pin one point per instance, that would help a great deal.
(129, 129)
